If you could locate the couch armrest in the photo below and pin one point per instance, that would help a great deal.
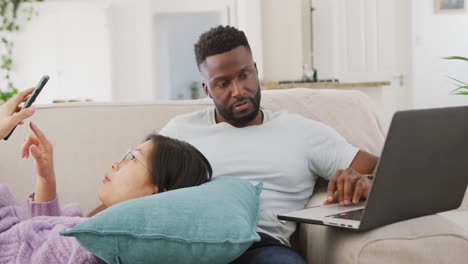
(430, 239)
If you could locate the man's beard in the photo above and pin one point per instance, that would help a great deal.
(229, 116)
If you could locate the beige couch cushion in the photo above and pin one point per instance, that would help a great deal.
(351, 113)
(88, 137)
(432, 239)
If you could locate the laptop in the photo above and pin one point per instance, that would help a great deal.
(423, 170)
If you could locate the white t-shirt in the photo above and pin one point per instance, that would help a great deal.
(287, 153)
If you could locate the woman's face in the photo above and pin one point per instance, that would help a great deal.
(129, 178)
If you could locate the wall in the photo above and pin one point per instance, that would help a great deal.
(103, 49)
(436, 36)
(69, 41)
(174, 38)
(131, 49)
(324, 44)
(135, 64)
(249, 14)
(282, 39)
(366, 40)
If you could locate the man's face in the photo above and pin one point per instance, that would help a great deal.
(231, 80)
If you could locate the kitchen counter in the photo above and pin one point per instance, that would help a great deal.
(324, 85)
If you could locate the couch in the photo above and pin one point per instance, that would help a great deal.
(88, 137)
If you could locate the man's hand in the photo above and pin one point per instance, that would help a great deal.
(12, 115)
(42, 151)
(346, 187)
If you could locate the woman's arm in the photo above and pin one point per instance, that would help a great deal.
(44, 200)
(41, 150)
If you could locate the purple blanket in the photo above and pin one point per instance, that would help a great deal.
(32, 236)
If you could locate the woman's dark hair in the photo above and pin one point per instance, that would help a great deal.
(176, 164)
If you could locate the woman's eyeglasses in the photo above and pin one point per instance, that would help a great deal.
(130, 156)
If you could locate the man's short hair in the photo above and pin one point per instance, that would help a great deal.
(219, 40)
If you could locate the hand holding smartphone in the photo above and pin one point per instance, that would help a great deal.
(32, 98)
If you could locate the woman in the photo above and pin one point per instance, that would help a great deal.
(159, 164)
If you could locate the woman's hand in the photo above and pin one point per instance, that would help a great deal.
(41, 150)
(12, 115)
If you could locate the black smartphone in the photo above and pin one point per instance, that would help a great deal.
(32, 98)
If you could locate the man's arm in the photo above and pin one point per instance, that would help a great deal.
(349, 185)
(364, 162)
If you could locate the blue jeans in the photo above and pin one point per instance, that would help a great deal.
(269, 251)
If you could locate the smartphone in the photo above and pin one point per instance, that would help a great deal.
(32, 98)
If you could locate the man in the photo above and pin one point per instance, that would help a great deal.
(286, 152)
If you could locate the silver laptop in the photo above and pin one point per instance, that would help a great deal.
(423, 170)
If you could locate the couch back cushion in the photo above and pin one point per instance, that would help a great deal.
(88, 137)
(350, 112)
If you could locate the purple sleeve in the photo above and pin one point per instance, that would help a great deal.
(52, 208)
(37, 240)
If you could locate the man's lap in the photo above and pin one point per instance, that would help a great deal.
(269, 250)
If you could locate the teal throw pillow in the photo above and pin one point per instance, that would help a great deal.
(211, 223)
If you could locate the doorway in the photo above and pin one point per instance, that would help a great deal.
(175, 34)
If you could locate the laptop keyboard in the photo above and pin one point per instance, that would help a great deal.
(349, 215)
